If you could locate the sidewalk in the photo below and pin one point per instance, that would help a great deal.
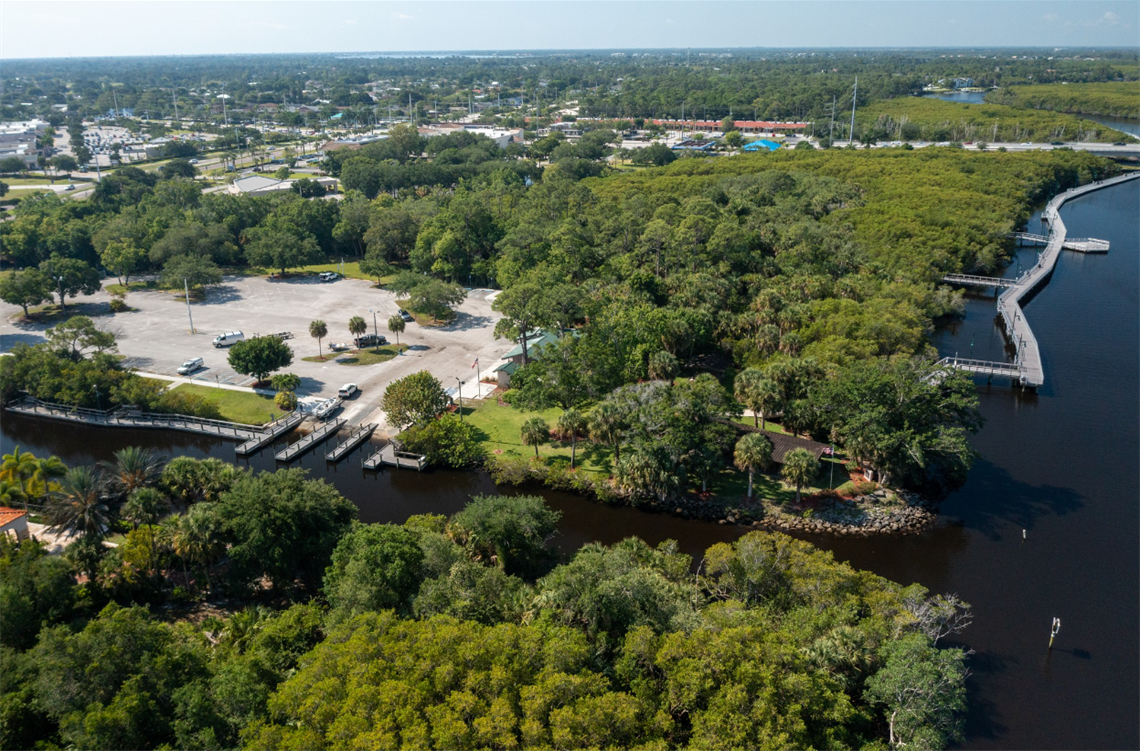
(203, 382)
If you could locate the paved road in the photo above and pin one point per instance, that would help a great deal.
(156, 336)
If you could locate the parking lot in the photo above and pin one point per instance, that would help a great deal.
(156, 337)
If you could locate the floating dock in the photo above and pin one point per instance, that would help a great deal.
(358, 435)
(321, 434)
(393, 458)
(271, 433)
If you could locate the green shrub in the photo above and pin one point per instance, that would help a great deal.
(286, 400)
(446, 441)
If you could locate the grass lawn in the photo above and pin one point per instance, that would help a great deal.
(499, 432)
(237, 406)
(51, 312)
(35, 181)
(731, 484)
(351, 270)
(371, 356)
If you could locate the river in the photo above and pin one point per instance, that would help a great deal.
(1061, 464)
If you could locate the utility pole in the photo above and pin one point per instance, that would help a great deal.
(854, 97)
(831, 132)
(186, 287)
(460, 393)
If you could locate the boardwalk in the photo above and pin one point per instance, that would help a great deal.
(1027, 359)
(356, 436)
(390, 456)
(126, 417)
(1081, 244)
(321, 434)
(270, 433)
(973, 280)
(983, 367)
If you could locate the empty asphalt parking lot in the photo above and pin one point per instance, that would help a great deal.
(156, 336)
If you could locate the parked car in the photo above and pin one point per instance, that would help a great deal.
(328, 276)
(283, 335)
(228, 339)
(406, 315)
(191, 365)
(370, 340)
(193, 161)
(347, 390)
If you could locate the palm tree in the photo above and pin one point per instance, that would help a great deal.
(144, 506)
(357, 326)
(759, 393)
(18, 467)
(607, 426)
(535, 432)
(78, 507)
(47, 470)
(572, 423)
(133, 468)
(753, 452)
(194, 538)
(318, 330)
(396, 324)
(800, 468)
(12, 493)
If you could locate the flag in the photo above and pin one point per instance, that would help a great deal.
(475, 363)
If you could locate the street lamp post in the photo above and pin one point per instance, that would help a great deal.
(460, 393)
(375, 328)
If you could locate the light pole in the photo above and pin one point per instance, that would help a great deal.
(59, 280)
(375, 328)
(460, 392)
(186, 287)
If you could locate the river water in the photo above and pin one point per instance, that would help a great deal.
(1061, 464)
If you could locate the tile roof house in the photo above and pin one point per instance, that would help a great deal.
(13, 523)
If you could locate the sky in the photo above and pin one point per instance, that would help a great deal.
(84, 28)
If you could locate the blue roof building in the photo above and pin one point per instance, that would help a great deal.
(762, 145)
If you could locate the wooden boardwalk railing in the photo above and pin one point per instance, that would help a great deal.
(356, 436)
(321, 434)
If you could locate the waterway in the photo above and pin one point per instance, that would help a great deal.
(1125, 125)
(1061, 464)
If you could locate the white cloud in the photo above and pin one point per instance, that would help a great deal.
(669, 20)
(350, 22)
(1111, 18)
(1050, 17)
(402, 16)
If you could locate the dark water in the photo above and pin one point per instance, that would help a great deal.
(1061, 464)
(1131, 127)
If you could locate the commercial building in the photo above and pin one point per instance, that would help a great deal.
(18, 139)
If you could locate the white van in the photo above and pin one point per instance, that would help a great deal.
(190, 366)
(228, 339)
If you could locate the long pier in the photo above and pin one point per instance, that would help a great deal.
(271, 433)
(356, 436)
(1081, 244)
(1027, 358)
(321, 434)
(973, 280)
(128, 417)
(390, 456)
